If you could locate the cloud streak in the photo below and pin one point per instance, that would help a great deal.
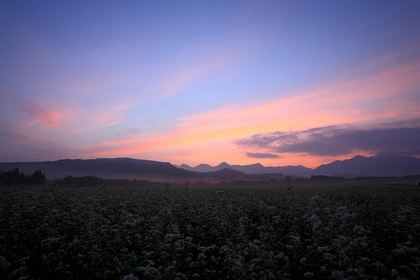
(40, 115)
(262, 155)
(401, 137)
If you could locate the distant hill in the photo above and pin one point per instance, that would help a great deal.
(106, 168)
(227, 174)
(381, 165)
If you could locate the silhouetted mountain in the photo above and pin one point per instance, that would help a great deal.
(183, 166)
(203, 168)
(127, 168)
(382, 165)
(222, 166)
(227, 174)
(198, 168)
(257, 168)
(298, 170)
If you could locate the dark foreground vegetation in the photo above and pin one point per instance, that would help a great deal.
(107, 232)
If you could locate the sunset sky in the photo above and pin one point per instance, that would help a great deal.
(275, 82)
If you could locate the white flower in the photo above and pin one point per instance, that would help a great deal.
(279, 256)
(308, 274)
(394, 272)
(323, 249)
(337, 275)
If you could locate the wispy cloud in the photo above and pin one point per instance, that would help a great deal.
(13, 137)
(401, 137)
(186, 75)
(192, 67)
(262, 155)
(112, 115)
(40, 115)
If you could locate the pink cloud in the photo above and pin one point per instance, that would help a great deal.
(40, 115)
(112, 115)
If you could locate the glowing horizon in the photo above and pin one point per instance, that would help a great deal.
(239, 82)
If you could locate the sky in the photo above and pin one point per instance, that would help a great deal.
(275, 82)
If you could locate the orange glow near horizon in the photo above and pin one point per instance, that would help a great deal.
(212, 134)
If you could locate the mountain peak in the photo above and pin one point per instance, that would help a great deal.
(358, 157)
(381, 165)
(202, 165)
(223, 165)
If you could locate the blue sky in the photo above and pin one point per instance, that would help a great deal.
(194, 81)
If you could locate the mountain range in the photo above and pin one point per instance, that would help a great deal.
(253, 169)
(378, 166)
(385, 165)
(382, 165)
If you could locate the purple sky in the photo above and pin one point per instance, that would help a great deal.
(276, 82)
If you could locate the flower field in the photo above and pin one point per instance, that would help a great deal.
(52, 232)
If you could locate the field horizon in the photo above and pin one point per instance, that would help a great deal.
(128, 168)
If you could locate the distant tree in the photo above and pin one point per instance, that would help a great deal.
(16, 177)
(37, 178)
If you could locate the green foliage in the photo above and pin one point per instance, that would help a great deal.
(109, 232)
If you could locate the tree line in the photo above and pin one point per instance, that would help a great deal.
(16, 177)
